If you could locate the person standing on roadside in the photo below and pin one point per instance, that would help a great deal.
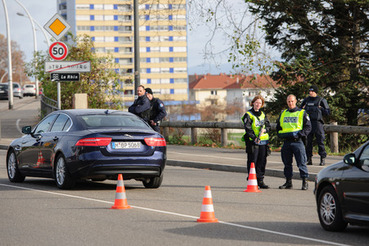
(141, 106)
(256, 136)
(293, 125)
(316, 107)
(157, 110)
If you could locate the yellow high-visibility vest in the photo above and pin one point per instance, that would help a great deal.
(257, 124)
(291, 123)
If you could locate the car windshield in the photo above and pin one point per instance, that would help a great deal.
(98, 121)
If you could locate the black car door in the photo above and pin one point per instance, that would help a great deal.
(355, 184)
(31, 156)
(51, 139)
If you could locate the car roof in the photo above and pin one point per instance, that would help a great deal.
(78, 112)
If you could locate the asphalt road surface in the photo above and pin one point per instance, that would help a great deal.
(35, 212)
(24, 112)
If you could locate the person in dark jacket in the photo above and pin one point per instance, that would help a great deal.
(256, 137)
(157, 110)
(141, 106)
(292, 126)
(316, 107)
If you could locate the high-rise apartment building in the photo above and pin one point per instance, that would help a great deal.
(163, 40)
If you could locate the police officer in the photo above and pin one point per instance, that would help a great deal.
(293, 125)
(141, 106)
(317, 107)
(157, 110)
(256, 136)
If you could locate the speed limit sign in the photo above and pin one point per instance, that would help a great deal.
(58, 51)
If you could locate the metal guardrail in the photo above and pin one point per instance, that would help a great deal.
(333, 129)
(48, 105)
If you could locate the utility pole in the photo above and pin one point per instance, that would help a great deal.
(136, 46)
(10, 69)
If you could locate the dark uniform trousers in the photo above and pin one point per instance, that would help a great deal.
(317, 131)
(258, 157)
(297, 149)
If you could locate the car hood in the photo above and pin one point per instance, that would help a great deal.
(331, 171)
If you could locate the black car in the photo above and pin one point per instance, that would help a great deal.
(95, 144)
(4, 91)
(342, 191)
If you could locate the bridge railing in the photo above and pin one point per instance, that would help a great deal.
(48, 105)
(332, 129)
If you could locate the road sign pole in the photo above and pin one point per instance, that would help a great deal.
(59, 95)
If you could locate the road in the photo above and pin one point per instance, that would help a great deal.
(25, 112)
(37, 213)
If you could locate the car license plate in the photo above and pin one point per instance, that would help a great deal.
(126, 145)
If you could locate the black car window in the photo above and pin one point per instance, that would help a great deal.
(67, 125)
(45, 124)
(98, 121)
(59, 123)
(4, 86)
(364, 158)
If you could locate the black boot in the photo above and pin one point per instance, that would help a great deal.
(310, 161)
(262, 185)
(305, 184)
(322, 161)
(287, 185)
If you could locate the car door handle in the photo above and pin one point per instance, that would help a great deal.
(55, 138)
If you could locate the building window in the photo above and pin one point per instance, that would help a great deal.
(148, 81)
(214, 93)
(91, 6)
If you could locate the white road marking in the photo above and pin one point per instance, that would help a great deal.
(18, 127)
(181, 215)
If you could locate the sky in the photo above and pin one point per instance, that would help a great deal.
(43, 10)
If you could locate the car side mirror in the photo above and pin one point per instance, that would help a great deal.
(27, 129)
(349, 159)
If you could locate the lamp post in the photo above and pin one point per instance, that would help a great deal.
(39, 26)
(10, 69)
(34, 40)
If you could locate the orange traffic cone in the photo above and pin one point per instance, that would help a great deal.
(40, 159)
(207, 209)
(120, 195)
(252, 183)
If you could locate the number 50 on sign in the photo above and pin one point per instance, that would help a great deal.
(58, 51)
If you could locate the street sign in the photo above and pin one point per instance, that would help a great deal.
(58, 51)
(64, 77)
(67, 66)
(57, 26)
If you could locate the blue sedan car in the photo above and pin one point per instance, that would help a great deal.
(96, 144)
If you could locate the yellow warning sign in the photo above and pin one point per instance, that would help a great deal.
(57, 26)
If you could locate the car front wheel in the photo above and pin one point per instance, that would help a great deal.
(13, 172)
(62, 177)
(153, 183)
(329, 210)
